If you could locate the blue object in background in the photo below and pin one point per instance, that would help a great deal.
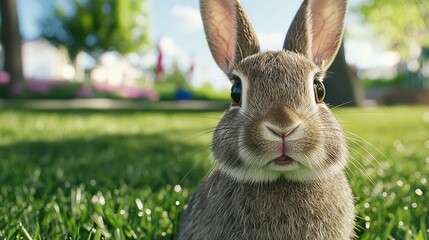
(183, 94)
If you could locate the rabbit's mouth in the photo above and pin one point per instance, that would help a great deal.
(283, 160)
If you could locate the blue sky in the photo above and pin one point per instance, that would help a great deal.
(177, 26)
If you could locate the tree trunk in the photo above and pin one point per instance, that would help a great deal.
(11, 40)
(342, 88)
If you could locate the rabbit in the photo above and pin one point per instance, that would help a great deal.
(279, 152)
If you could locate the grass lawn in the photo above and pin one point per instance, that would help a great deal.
(125, 174)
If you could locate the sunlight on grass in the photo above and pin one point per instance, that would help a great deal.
(128, 174)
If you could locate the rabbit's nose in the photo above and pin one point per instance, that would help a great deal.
(282, 133)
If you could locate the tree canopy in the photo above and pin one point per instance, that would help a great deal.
(96, 26)
(399, 23)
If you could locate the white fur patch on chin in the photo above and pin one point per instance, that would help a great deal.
(249, 174)
(255, 169)
(261, 175)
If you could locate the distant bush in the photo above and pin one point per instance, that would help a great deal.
(171, 91)
(175, 86)
(58, 89)
(399, 80)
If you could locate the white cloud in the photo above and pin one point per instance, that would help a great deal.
(366, 54)
(271, 41)
(187, 18)
(172, 52)
(168, 46)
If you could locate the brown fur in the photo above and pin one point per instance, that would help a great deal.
(279, 210)
(249, 196)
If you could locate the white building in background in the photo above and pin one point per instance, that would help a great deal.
(41, 60)
(115, 70)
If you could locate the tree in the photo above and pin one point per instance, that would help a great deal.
(11, 40)
(398, 23)
(341, 84)
(98, 26)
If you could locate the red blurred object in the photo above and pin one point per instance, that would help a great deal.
(159, 66)
(192, 68)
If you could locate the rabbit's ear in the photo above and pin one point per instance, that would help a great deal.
(229, 32)
(317, 30)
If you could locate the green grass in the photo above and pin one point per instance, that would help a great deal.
(124, 174)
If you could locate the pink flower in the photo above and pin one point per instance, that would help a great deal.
(84, 92)
(4, 77)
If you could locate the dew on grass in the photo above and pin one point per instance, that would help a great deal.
(418, 174)
(177, 188)
(407, 198)
(101, 199)
(392, 196)
(164, 234)
(140, 214)
(78, 195)
(418, 191)
(122, 212)
(424, 181)
(92, 182)
(406, 208)
(398, 145)
(414, 205)
(401, 223)
(177, 203)
(380, 172)
(148, 211)
(367, 225)
(366, 205)
(366, 191)
(399, 183)
(139, 204)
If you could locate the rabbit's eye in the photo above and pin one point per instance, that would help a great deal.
(319, 91)
(236, 90)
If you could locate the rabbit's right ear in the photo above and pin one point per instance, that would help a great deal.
(317, 30)
(229, 32)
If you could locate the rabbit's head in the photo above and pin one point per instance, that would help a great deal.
(278, 125)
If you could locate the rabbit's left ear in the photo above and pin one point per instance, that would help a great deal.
(317, 30)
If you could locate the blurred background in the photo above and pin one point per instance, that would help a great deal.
(156, 50)
(88, 150)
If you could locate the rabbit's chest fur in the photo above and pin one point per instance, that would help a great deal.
(224, 209)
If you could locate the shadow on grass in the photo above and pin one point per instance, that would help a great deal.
(105, 162)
